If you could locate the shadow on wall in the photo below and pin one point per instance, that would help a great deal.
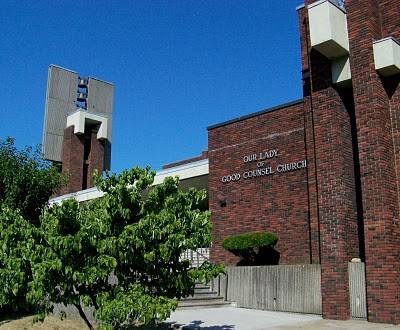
(253, 248)
(390, 84)
(266, 256)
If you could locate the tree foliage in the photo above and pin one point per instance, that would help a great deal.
(121, 253)
(26, 183)
(26, 180)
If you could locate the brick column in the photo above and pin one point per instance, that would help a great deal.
(336, 189)
(331, 111)
(309, 135)
(377, 139)
(82, 154)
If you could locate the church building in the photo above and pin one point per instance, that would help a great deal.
(322, 172)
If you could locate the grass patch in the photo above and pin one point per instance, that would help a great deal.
(50, 323)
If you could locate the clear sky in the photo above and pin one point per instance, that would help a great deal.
(178, 66)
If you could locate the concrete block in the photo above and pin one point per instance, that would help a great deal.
(328, 29)
(387, 56)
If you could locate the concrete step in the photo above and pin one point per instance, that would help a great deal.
(202, 289)
(202, 295)
(205, 294)
(203, 303)
(201, 285)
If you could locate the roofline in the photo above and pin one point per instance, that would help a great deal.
(278, 107)
(69, 70)
(104, 81)
(172, 170)
(62, 68)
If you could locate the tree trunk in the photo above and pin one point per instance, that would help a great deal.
(94, 300)
(83, 316)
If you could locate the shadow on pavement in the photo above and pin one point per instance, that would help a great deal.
(196, 324)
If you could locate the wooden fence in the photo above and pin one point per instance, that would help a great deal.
(289, 288)
(358, 303)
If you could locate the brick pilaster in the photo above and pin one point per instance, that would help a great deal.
(72, 160)
(331, 112)
(309, 135)
(96, 157)
(377, 156)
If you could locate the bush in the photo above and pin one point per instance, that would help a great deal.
(255, 248)
(248, 241)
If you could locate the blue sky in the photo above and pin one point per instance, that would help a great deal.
(177, 66)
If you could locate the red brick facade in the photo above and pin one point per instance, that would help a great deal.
(275, 202)
(345, 203)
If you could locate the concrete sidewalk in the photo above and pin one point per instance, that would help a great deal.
(231, 318)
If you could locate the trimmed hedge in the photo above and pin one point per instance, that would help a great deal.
(249, 241)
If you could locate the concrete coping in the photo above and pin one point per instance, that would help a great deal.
(385, 39)
(314, 4)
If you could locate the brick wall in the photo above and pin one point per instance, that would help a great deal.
(278, 202)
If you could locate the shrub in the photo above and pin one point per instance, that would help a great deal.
(248, 241)
(254, 248)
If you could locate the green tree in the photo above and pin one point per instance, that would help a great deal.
(26, 183)
(26, 180)
(121, 253)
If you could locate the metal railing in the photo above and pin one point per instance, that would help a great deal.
(196, 257)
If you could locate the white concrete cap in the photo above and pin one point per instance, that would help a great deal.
(341, 73)
(186, 171)
(328, 29)
(387, 56)
(80, 118)
(79, 196)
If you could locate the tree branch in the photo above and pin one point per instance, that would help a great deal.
(83, 316)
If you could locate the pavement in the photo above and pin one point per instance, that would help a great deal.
(232, 318)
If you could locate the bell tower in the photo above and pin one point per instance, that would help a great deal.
(77, 126)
